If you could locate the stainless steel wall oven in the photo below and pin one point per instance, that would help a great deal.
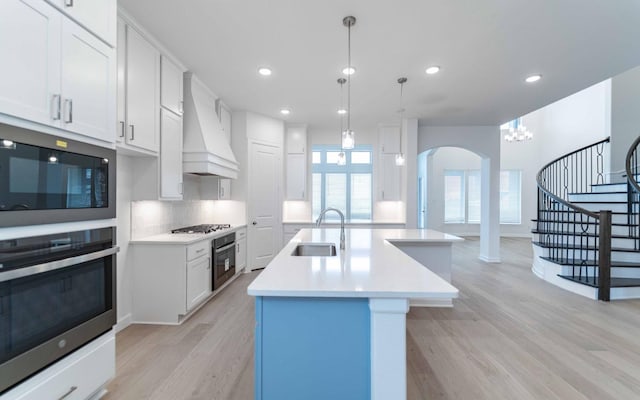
(223, 261)
(57, 293)
(46, 179)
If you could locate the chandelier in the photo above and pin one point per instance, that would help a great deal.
(514, 131)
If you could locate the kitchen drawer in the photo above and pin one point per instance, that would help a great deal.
(78, 376)
(241, 233)
(198, 249)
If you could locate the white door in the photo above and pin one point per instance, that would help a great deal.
(88, 84)
(263, 196)
(170, 155)
(30, 67)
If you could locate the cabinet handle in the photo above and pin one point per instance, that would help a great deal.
(199, 251)
(122, 129)
(56, 111)
(181, 107)
(71, 390)
(238, 248)
(68, 3)
(133, 134)
(68, 105)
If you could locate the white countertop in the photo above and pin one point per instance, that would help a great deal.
(370, 266)
(184, 238)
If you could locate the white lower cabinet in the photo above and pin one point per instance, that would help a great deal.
(241, 249)
(198, 281)
(79, 376)
(169, 280)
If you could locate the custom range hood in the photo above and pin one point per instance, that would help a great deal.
(206, 148)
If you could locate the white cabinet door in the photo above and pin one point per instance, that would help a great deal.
(296, 176)
(121, 77)
(198, 281)
(389, 139)
(241, 254)
(143, 66)
(171, 86)
(296, 139)
(98, 16)
(30, 66)
(225, 121)
(390, 176)
(224, 189)
(170, 155)
(88, 84)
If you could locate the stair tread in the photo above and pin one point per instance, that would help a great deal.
(599, 202)
(593, 281)
(589, 234)
(616, 192)
(590, 263)
(586, 222)
(577, 247)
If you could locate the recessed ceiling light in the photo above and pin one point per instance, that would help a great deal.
(285, 111)
(533, 78)
(432, 70)
(342, 111)
(264, 71)
(349, 70)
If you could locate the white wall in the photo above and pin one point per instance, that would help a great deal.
(625, 116)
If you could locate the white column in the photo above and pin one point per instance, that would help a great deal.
(490, 211)
(388, 348)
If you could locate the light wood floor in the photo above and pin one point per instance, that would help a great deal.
(509, 336)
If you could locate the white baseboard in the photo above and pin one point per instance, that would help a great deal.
(431, 303)
(491, 260)
(123, 322)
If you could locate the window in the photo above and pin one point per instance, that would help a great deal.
(462, 190)
(348, 188)
(454, 212)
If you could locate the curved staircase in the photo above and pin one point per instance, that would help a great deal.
(586, 237)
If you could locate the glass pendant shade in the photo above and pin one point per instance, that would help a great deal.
(399, 159)
(342, 158)
(348, 139)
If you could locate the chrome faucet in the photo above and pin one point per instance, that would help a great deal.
(319, 221)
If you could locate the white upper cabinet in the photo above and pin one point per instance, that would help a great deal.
(122, 84)
(389, 178)
(97, 16)
(57, 73)
(88, 83)
(296, 139)
(30, 69)
(141, 93)
(170, 156)
(389, 139)
(171, 86)
(296, 176)
(225, 121)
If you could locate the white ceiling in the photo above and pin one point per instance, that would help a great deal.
(485, 48)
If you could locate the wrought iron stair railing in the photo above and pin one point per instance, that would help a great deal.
(573, 227)
(633, 193)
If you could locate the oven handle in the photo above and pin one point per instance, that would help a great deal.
(58, 264)
(227, 247)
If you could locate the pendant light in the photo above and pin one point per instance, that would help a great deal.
(400, 155)
(348, 136)
(342, 158)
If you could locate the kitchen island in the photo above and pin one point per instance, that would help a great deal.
(334, 327)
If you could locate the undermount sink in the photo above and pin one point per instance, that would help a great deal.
(315, 249)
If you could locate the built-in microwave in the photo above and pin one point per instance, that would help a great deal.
(46, 179)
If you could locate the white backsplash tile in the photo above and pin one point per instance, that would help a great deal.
(150, 218)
